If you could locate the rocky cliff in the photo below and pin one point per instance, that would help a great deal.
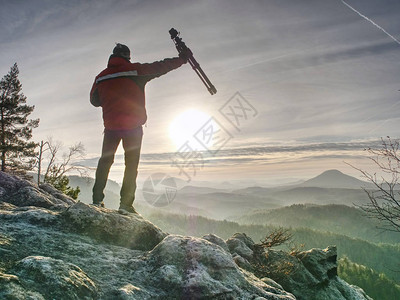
(54, 248)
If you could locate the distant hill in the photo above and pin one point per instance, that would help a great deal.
(339, 219)
(319, 195)
(190, 189)
(330, 187)
(218, 205)
(335, 179)
(253, 190)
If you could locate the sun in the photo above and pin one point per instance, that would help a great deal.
(184, 126)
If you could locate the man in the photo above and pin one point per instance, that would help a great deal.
(119, 90)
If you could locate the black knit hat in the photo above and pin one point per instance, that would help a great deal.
(122, 51)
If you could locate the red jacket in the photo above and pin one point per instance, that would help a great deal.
(119, 90)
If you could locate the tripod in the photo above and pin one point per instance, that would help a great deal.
(183, 49)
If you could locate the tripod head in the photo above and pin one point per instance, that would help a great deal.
(173, 32)
(179, 44)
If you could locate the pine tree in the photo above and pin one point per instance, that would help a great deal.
(16, 150)
(376, 285)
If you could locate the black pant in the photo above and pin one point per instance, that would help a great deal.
(131, 141)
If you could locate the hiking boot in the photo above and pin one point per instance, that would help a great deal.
(126, 210)
(101, 204)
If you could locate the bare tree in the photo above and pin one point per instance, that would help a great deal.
(384, 197)
(277, 268)
(58, 167)
(43, 147)
(277, 237)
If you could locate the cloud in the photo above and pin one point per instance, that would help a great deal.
(256, 155)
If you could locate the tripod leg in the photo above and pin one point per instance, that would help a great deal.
(196, 67)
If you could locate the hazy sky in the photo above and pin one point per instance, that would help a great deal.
(320, 78)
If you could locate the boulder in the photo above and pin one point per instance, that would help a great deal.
(310, 275)
(109, 226)
(242, 245)
(320, 263)
(192, 268)
(212, 238)
(242, 262)
(11, 288)
(28, 214)
(42, 208)
(55, 279)
(58, 195)
(314, 276)
(21, 192)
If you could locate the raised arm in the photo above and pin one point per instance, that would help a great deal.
(158, 68)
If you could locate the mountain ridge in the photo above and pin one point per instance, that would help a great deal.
(334, 179)
(225, 203)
